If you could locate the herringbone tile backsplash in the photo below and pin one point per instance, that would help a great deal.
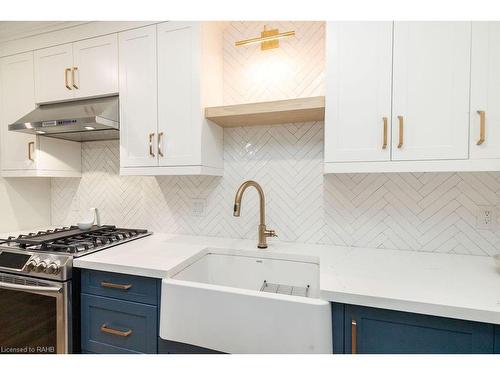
(411, 211)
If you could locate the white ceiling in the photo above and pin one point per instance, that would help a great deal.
(11, 30)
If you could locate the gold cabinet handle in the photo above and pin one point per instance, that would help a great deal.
(354, 337)
(31, 146)
(160, 136)
(115, 332)
(73, 77)
(66, 71)
(151, 137)
(107, 284)
(384, 145)
(401, 129)
(482, 127)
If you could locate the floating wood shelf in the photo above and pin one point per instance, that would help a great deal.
(268, 113)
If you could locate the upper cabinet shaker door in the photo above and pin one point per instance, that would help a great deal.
(178, 48)
(95, 70)
(53, 74)
(485, 91)
(138, 98)
(431, 90)
(17, 99)
(358, 98)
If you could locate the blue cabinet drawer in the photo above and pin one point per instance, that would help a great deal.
(116, 285)
(114, 326)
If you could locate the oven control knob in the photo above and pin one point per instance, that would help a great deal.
(53, 268)
(30, 266)
(40, 267)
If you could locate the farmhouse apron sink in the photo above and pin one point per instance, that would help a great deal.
(247, 302)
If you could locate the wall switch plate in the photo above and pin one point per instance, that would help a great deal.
(486, 217)
(198, 206)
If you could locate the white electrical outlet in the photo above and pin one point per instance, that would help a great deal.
(486, 217)
(198, 206)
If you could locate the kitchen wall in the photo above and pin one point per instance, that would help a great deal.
(24, 203)
(411, 211)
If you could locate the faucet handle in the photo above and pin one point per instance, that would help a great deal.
(270, 233)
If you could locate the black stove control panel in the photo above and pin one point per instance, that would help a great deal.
(36, 264)
(13, 261)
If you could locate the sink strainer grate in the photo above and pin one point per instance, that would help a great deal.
(285, 289)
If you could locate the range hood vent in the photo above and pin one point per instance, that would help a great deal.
(80, 121)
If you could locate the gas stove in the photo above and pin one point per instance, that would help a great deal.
(49, 254)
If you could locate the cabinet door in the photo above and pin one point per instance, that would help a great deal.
(358, 107)
(53, 74)
(431, 90)
(138, 97)
(485, 90)
(178, 45)
(17, 99)
(96, 63)
(378, 331)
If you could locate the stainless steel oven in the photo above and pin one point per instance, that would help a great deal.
(35, 315)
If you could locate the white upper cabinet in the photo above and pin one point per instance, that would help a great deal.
(358, 91)
(88, 68)
(431, 90)
(445, 80)
(17, 99)
(162, 124)
(138, 98)
(96, 66)
(485, 91)
(25, 155)
(53, 68)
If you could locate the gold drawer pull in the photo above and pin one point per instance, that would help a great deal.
(66, 71)
(160, 136)
(151, 137)
(482, 129)
(115, 332)
(73, 77)
(384, 145)
(401, 129)
(31, 151)
(354, 337)
(107, 284)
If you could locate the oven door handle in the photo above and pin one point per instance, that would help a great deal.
(31, 288)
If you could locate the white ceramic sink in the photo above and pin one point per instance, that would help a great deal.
(216, 301)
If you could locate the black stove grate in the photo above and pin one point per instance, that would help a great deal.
(72, 240)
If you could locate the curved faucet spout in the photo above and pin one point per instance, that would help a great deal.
(239, 196)
(263, 232)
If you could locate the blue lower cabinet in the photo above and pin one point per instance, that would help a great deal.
(377, 331)
(497, 339)
(111, 326)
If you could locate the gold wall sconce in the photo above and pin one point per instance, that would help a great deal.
(268, 39)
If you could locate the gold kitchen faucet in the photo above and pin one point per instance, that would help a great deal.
(263, 232)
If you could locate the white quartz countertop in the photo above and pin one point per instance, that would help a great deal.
(449, 285)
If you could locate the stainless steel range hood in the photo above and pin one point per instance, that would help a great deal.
(81, 121)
